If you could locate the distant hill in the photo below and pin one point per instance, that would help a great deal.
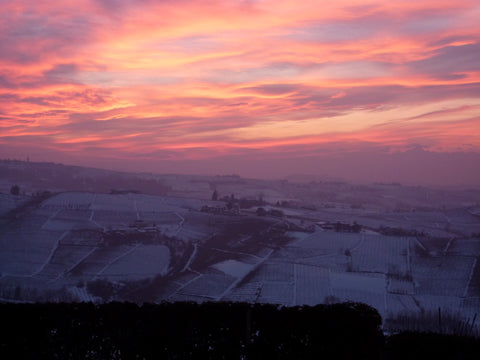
(40, 176)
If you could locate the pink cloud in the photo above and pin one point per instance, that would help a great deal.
(196, 79)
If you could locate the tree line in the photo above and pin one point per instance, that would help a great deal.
(219, 330)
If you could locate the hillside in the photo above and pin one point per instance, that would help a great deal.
(405, 251)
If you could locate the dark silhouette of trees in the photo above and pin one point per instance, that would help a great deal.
(421, 346)
(212, 331)
(261, 211)
(15, 190)
(101, 288)
(188, 330)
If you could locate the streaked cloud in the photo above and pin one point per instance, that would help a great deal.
(203, 79)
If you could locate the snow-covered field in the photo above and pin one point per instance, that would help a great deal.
(25, 250)
(313, 268)
(466, 247)
(9, 202)
(143, 261)
(234, 268)
(209, 285)
(381, 254)
(312, 284)
(59, 241)
(444, 275)
(61, 244)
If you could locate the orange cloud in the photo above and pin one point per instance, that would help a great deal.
(139, 77)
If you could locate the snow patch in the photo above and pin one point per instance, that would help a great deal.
(233, 268)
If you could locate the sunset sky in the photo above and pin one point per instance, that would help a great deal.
(259, 88)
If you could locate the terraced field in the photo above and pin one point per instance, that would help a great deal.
(98, 247)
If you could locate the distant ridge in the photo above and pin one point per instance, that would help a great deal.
(306, 178)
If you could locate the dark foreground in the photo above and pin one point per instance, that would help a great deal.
(213, 331)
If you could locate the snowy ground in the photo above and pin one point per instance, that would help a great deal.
(143, 261)
(59, 244)
(9, 202)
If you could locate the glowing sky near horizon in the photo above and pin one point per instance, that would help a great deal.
(140, 80)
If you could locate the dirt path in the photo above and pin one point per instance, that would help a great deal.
(191, 258)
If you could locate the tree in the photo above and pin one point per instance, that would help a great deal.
(356, 227)
(15, 190)
(338, 226)
(101, 288)
(261, 211)
(260, 198)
